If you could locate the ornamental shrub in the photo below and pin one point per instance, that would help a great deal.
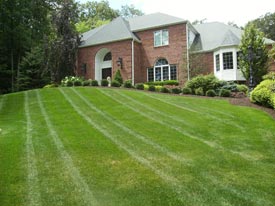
(211, 93)
(199, 91)
(164, 90)
(152, 88)
(94, 83)
(146, 87)
(77, 83)
(87, 83)
(176, 90)
(263, 94)
(128, 84)
(118, 77)
(115, 83)
(163, 83)
(158, 88)
(140, 86)
(270, 75)
(104, 83)
(224, 93)
(69, 83)
(205, 82)
(186, 90)
(242, 88)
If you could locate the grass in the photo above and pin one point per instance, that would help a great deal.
(106, 147)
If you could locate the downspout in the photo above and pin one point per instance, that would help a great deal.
(133, 63)
(187, 52)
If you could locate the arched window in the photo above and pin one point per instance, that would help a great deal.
(162, 71)
(108, 57)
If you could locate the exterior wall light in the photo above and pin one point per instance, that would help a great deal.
(119, 62)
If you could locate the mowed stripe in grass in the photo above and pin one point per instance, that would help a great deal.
(125, 148)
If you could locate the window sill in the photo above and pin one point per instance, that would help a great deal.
(161, 46)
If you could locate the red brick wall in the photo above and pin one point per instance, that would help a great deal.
(118, 49)
(175, 52)
(201, 63)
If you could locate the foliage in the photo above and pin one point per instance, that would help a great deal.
(266, 24)
(158, 88)
(130, 11)
(163, 83)
(78, 82)
(272, 52)
(118, 77)
(71, 81)
(263, 94)
(224, 93)
(94, 83)
(128, 84)
(252, 44)
(164, 90)
(270, 75)
(87, 83)
(139, 86)
(152, 88)
(211, 93)
(62, 46)
(176, 90)
(199, 91)
(104, 83)
(146, 87)
(115, 83)
(242, 88)
(186, 90)
(231, 86)
(205, 82)
(50, 86)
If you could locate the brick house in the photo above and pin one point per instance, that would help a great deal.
(158, 47)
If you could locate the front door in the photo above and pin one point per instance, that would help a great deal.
(106, 72)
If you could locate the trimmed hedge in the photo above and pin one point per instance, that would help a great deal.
(224, 93)
(211, 93)
(104, 83)
(115, 83)
(186, 90)
(139, 86)
(152, 88)
(199, 91)
(94, 83)
(163, 83)
(128, 84)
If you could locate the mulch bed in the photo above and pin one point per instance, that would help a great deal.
(246, 102)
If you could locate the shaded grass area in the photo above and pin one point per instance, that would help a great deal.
(95, 146)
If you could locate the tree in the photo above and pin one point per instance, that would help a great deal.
(266, 24)
(64, 41)
(94, 14)
(272, 52)
(130, 11)
(254, 54)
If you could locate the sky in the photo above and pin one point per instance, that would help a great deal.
(236, 11)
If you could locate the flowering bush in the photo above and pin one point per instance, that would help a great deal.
(71, 81)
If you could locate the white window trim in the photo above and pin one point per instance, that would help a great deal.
(161, 38)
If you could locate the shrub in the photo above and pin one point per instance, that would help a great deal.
(211, 93)
(146, 87)
(164, 90)
(176, 90)
(95, 83)
(104, 83)
(242, 88)
(87, 83)
(158, 88)
(199, 91)
(115, 83)
(231, 86)
(140, 86)
(270, 75)
(163, 83)
(152, 88)
(224, 93)
(128, 84)
(205, 82)
(77, 83)
(263, 94)
(50, 85)
(118, 77)
(69, 83)
(186, 90)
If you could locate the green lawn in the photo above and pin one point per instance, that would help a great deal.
(107, 147)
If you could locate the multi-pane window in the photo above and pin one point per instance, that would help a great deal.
(217, 59)
(150, 74)
(161, 38)
(162, 71)
(227, 60)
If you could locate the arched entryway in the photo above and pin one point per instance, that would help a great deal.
(103, 64)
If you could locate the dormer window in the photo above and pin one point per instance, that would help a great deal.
(161, 38)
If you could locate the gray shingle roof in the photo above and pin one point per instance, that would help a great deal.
(214, 35)
(121, 29)
(153, 21)
(116, 30)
